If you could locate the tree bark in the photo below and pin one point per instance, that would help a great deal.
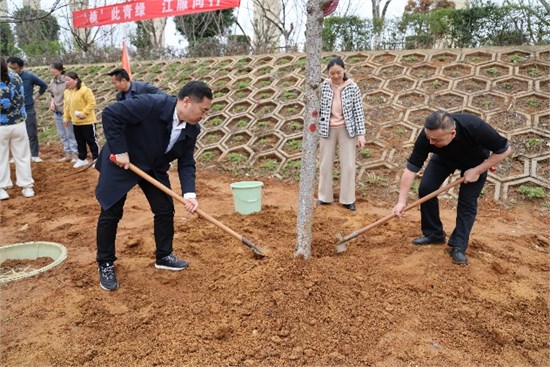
(546, 5)
(314, 40)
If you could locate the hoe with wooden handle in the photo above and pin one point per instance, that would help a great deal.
(341, 246)
(201, 213)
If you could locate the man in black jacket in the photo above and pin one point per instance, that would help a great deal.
(150, 130)
(457, 141)
(129, 89)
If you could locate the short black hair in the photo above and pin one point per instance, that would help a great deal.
(439, 120)
(196, 90)
(337, 61)
(16, 60)
(119, 74)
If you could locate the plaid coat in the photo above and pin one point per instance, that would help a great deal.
(354, 116)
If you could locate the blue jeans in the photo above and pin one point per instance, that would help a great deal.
(66, 134)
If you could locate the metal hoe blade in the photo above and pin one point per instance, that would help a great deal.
(341, 247)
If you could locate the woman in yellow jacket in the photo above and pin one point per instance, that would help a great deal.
(79, 104)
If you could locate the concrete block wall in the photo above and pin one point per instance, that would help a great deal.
(257, 114)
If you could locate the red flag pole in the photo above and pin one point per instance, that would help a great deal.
(125, 60)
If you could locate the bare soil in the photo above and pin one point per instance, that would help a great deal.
(383, 302)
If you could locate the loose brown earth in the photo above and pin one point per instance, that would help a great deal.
(381, 303)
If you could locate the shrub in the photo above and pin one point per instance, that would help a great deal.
(532, 192)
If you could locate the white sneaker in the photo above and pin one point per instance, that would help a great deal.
(28, 192)
(12, 161)
(4, 195)
(74, 158)
(36, 160)
(80, 163)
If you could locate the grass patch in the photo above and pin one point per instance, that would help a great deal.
(533, 102)
(270, 164)
(237, 157)
(532, 193)
(494, 71)
(207, 156)
(515, 58)
(534, 71)
(533, 143)
(294, 144)
(366, 153)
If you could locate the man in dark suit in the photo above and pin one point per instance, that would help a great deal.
(150, 130)
(129, 89)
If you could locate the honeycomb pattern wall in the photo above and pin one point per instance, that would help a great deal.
(257, 114)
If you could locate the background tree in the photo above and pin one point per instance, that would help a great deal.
(346, 33)
(536, 17)
(546, 6)
(37, 32)
(426, 23)
(7, 40)
(379, 10)
(150, 36)
(272, 20)
(203, 31)
(141, 39)
(488, 24)
(83, 38)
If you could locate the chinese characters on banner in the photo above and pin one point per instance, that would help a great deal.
(138, 10)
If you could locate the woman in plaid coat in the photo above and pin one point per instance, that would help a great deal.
(342, 124)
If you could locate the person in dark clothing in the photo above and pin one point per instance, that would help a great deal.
(457, 141)
(129, 89)
(150, 130)
(29, 82)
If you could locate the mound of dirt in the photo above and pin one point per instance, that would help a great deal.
(383, 302)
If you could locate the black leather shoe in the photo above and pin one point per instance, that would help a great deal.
(429, 240)
(321, 202)
(350, 207)
(459, 257)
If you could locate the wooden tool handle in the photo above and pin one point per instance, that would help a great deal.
(408, 207)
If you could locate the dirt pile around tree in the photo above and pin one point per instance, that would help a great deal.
(381, 303)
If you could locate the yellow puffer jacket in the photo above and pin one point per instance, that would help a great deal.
(82, 100)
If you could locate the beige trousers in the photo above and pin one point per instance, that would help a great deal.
(346, 154)
(14, 138)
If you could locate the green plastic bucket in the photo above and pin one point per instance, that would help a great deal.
(247, 196)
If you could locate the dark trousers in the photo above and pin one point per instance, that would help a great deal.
(85, 134)
(162, 207)
(436, 172)
(32, 132)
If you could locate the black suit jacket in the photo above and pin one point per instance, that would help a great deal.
(141, 126)
(137, 88)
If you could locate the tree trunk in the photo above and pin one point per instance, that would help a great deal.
(378, 18)
(314, 27)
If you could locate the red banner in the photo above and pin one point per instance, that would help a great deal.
(137, 10)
